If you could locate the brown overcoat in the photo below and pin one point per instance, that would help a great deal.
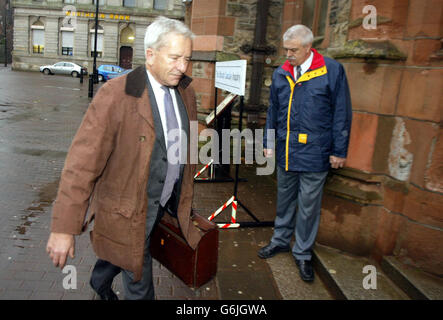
(107, 170)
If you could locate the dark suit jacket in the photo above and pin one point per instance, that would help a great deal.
(158, 166)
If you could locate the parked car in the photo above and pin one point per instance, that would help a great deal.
(115, 75)
(63, 67)
(105, 71)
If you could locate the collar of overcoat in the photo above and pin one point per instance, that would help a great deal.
(136, 85)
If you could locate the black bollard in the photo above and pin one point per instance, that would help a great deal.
(81, 75)
(91, 86)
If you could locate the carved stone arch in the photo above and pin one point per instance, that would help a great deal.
(127, 35)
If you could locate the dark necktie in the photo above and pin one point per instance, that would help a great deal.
(298, 72)
(171, 119)
(173, 171)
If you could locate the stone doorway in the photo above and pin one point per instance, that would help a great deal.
(126, 57)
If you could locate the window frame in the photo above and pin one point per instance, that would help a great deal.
(316, 18)
(166, 5)
(100, 31)
(37, 48)
(66, 51)
(126, 6)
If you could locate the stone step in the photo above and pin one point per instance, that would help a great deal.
(419, 285)
(344, 277)
(289, 283)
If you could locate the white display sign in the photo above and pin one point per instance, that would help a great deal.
(231, 76)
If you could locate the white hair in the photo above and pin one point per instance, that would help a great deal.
(299, 32)
(160, 27)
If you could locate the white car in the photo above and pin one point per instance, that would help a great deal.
(70, 68)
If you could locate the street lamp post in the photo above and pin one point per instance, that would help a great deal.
(93, 78)
(5, 27)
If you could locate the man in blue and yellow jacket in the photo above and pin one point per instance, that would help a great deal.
(310, 111)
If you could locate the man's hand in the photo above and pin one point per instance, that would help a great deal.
(59, 246)
(268, 152)
(336, 162)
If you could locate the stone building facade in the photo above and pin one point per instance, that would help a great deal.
(225, 30)
(48, 31)
(389, 198)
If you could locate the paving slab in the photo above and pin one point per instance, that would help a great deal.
(289, 283)
(242, 275)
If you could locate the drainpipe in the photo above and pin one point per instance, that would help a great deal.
(259, 50)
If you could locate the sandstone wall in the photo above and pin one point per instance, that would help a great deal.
(389, 200)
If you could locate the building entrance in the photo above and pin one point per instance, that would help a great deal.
(126, 57)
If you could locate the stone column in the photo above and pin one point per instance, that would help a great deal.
(114, 3)
(210, 24)
(51, 37)
(148, 4)
(81, 39)
(224, 28)
(139, 49)
(21, 35)
(110, 40)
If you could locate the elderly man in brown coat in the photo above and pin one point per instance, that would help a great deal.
(120, 171)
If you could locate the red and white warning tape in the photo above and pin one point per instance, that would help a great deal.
(233, 223)
(204, 168)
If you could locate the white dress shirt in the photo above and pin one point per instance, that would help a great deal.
(305, 65)
(159, 98)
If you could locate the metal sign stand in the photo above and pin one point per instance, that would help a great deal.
(212, 167)
(235, 201)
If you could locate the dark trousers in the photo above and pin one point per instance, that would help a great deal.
(299, 197)
(104, 272)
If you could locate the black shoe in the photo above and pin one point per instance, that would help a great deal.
(306, 270)
(104, 294)
(271, 250)
(108, 295)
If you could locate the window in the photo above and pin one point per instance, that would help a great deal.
(160, 4)
(38, 37)
(66, 51)
(99, 41)
(129, 3)
(314, 16)
(127, 36)
(101, 2)
(68, 1)
(99, 45)
(67, 43)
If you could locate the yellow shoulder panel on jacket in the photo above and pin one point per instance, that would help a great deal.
(313, 74)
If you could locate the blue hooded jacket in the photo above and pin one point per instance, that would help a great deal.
(311, 116)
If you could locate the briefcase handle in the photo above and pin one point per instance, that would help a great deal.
(201, 222)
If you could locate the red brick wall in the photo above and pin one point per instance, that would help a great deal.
(396, 134)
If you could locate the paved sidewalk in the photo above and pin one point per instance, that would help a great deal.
(39, 116)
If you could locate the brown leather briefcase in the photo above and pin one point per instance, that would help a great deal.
(193, 267)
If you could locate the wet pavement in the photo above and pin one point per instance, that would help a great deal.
(39, 116)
